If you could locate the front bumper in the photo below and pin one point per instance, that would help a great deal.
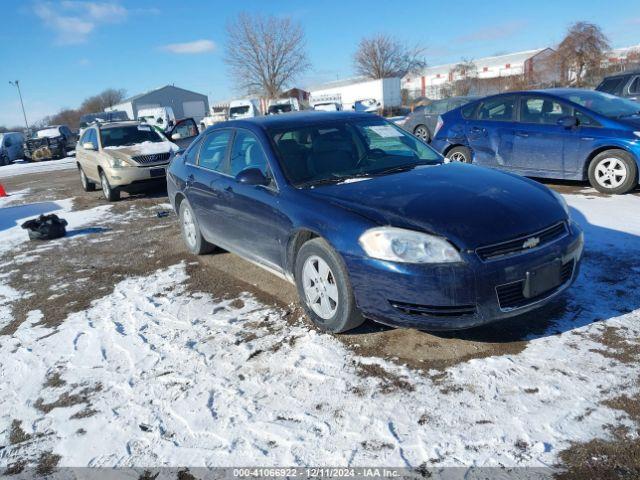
(458, 296)
(121, 177)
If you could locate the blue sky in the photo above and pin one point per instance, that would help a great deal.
(64, 51)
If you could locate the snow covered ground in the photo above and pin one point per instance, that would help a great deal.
(21, 167)
(155, 374)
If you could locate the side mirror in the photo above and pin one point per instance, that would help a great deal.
(568, 121)
(176, 136)
(252, 176)
(88, 146)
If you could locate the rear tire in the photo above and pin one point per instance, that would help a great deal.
(460, 154)
(191, 234)
(422, 133)
(324, 287)
(110, 194)
(87, 185)
(614, 172)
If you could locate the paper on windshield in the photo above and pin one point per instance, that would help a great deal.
(385, 131)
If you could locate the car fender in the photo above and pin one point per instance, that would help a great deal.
(631, 147)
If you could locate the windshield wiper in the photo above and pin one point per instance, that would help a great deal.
(403, 168)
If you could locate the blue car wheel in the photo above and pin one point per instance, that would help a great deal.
(324, 288)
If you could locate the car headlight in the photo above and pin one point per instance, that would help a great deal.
(562, 202)
(407, 246)
(118, 163)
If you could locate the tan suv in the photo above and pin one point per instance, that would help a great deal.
(122, 156)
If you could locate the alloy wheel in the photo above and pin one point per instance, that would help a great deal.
(421, 132)
(611, 172)
(320, 287)
(105, 187)
(189, 228)
(458, 157)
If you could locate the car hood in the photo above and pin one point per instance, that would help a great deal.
(471, 206)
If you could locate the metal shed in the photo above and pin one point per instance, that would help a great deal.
(184, 103)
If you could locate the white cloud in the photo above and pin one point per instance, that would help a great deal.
(73, 21)
(188, 48)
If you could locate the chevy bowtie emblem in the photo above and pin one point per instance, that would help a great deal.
(531, 242)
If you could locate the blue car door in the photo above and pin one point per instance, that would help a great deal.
(541, 144)
(490, 132)
(255, 224)
(204, 183)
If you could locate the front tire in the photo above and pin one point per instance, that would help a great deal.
(87, 185)
(110, 194)
(324, 288)
(191, 234)
(613, 172)
(460, 154)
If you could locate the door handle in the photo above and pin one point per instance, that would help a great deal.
(522, 134)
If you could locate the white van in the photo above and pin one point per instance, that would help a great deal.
(246, 108)
(162, 118)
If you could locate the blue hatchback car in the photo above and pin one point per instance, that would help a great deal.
(570, 134)
(368, 221)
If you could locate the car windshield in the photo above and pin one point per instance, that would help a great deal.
(335, 151)
(129, 135)
(118, 116)
(603, 103)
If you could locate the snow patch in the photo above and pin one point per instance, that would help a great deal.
(23, 167)
(148, 148)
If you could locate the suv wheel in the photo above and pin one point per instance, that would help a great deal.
(614, 172)
(87, 185)
(422, 133)
(4, 160)
(460, 154)
(191, 234)
(324, 288)
(110, 194)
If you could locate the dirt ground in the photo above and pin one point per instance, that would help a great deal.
(66, 279)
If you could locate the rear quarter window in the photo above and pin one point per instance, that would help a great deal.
(469, 111)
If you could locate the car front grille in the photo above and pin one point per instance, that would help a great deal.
(434, 310)
(524, 243)
(151, 158)
(511, 295)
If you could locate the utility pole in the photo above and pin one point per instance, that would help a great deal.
(17, 85)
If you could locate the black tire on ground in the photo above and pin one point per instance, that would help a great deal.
(460, 154)
(110, 194)
(87, 185)
(346, 315)
(422, 132)
(192, 237)
(4, 160)
(609, 168)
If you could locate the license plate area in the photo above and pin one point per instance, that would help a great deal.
(543, 279)
(157, 172)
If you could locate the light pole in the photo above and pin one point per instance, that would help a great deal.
(17, 85)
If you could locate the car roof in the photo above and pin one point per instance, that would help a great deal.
(123, 123)
(307, 117)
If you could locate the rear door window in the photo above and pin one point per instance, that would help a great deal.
(247, 153)
(634, 88)
(542, 110)
(214, 151)
(497, 109)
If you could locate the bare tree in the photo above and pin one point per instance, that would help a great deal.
(464, 75)
(105, 99)
(265, 54)
(584, 48)
(383, 56)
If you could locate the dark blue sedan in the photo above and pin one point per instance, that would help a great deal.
(570, 134)
(368, 221)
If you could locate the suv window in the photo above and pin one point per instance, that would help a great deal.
(611, 85)
(500, 109)
(247, 153)
(469, 110)
(542, 110)
(635, 86)
(584, 119)
(86, 136)
(214, 150)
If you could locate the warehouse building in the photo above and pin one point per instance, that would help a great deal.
(184, 103)
(430, 82)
